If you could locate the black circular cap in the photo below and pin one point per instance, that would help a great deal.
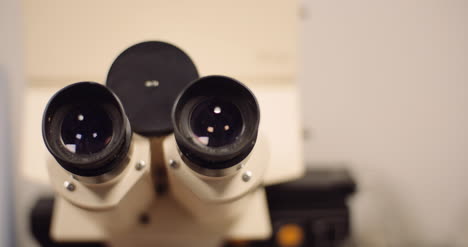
(85, 128)
(216, 122)
(147, 78)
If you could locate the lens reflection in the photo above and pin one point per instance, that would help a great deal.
(86, 130)
(216, 123)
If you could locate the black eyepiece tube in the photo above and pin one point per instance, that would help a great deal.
(215, 122)
(86, 130)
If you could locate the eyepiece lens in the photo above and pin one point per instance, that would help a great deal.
(216, 123)
(86, 130)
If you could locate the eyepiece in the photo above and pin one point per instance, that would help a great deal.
(86, 130)
(215, 122)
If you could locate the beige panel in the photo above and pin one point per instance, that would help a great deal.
(78, 40)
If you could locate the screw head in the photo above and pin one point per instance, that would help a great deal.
(69, 186)
(140, 165)
(247, 176)
(144, 219)
(173, 164)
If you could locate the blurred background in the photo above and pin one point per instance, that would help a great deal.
(382, 87)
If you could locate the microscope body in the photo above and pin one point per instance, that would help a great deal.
(127, 210)
(198, 185)
(96, 211)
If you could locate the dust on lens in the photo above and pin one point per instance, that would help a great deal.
(86, 130)
(216, 123)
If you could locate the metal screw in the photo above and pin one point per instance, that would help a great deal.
(247, 176)
(69, 186)
(144, 219)
(173, 164)
(140, 165)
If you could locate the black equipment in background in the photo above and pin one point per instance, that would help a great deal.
(309, 212)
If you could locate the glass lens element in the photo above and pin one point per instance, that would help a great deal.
(216, 123)
(86, 130)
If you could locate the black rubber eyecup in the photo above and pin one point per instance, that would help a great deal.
(87, 96)
(238, 99)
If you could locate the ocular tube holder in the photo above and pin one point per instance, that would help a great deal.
(214, 201)
(89, 211)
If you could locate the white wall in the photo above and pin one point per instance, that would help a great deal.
(11, 81)
(385, 88)
(5, 172)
